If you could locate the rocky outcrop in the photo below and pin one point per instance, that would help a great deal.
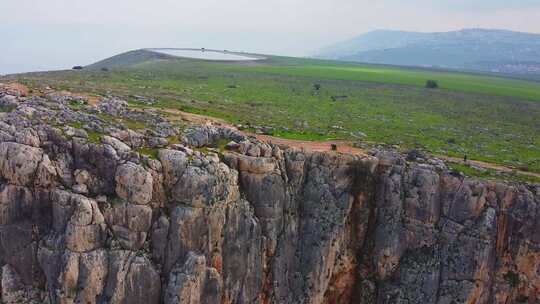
(193, 282)
(134, 183)
(87, 217)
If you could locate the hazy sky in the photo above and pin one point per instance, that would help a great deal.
(54, 34)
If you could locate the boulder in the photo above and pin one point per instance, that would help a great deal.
(202, 136)
(46, 175)
(9, 101)
(193, 283)
(132, 138)
(75, 277)
(113, 106)
(118, 145)
(201, 186)
(28, 137)
(130, 224)
(19, 163)
(86, 229)
(174, 163)
(134, 184)
(132, 279)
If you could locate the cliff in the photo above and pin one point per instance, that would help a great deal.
(94, 212)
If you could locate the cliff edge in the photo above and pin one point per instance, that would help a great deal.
(96, 209)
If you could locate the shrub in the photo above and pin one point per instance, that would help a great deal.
(7, 108)
(524, 167)
(94, 137)
(152, 153)
(432, 84)
(338, 97)
(512, 278)
(414, 154)
(455, 172)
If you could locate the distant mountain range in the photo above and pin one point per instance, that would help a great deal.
(498, 51)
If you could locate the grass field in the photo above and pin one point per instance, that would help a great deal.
(487, 118)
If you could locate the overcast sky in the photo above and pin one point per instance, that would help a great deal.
(55, 34)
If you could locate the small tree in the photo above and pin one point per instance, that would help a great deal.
(317, 86)
(432, 84)
(414, 154)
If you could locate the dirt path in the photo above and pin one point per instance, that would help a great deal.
(320, 146)
(194, 118)
(486, 165)
(14, 88)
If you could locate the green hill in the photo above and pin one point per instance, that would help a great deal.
(128, 59)
(497, 51)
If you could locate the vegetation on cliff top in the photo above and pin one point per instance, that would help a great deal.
(486, 118)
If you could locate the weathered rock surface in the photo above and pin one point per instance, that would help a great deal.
(86, 221)
(193, 283)
(134, 184)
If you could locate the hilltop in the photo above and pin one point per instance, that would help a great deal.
(497, 51)
(127, 59)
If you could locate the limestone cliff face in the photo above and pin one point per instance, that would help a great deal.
(86, 221)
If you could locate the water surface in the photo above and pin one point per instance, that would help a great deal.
(208, 54)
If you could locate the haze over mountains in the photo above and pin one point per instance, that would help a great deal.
(469, 49)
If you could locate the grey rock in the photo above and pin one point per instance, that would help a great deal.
(134, 184)
(132, 138)
(118, 145)
(204, 186)
(19, 163)
(132, 279)
(113, 106)
(28, 137)
(9, 101)
(193, 283)
(85, 230)
(174, 163)
(130, 224)
(208, 135)
(158, 142)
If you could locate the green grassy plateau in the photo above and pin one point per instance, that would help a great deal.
(485, 117)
